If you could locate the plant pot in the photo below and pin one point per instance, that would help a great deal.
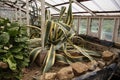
(40, 58)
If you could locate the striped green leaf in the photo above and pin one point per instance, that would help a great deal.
(47, 15)
(69, 16)
(81, 50)
(62, 59)
(48, 28)
(50, 59)
(62, 13)
(34, 53)
(64, 26)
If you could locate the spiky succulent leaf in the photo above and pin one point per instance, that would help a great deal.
(34, 53)
(48, 28)
(62, 12)
(69, 17)
(47, 15)
(62, 59)
(49, 62)
(81, 50)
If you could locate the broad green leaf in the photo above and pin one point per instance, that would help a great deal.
(1, 46)
(4, 38)
(13, 31)
(16, 49)
(14, 24)
(3, 51)
(18, 56)
(11, 62)
(21, 39)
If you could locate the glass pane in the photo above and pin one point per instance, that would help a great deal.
(76, 8)
(107, 29)
(55, 2)
(83, 26)
(94, 25)
(75, 24)
(107, 5)
(91, 5)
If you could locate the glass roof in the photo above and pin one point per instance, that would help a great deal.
(99, 7)
(54, 2)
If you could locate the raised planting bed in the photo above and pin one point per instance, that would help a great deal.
(105, 67)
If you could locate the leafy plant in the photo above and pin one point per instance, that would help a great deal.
(58, 38)
(13, 49)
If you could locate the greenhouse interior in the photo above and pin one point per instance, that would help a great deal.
(59, 39)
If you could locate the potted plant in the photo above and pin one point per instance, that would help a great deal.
(58, 38)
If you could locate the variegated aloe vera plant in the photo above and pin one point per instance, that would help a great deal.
(57, 37)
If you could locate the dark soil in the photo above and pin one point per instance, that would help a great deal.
(30, 72)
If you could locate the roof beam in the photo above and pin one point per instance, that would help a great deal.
(106, 11)
(60, 4)
(52, 6)
(84, 7)
(25, 3)
(15, 2)
(95, 12)
(14, 6)
(82, 0)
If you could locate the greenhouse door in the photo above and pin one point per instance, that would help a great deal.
(94, 27)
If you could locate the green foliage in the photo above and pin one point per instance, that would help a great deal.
(13, 49)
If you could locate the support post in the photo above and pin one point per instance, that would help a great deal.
(42, 22)
(16, 14)
(28, 17)
(20, 15)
